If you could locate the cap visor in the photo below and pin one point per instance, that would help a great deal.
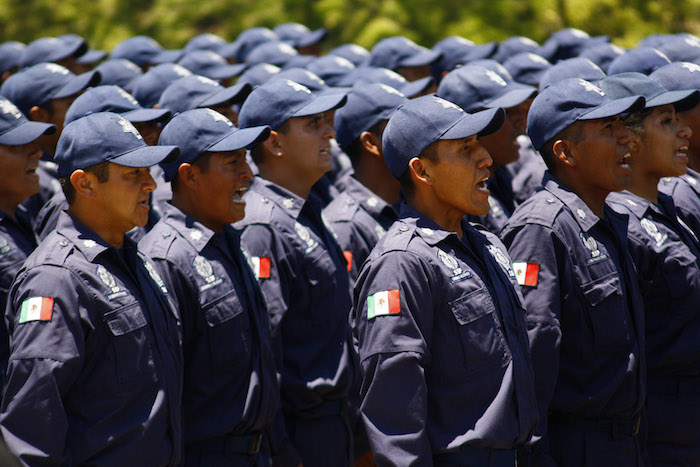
(480, 51)
(414, 88)
(480, 123)
(241, 138)
(167, 56)
(235, 94)
(226, 71)
(78, 83)
(421, 59)
(26, 132)
(146, 115)
(515, 97)
(92, 56)
(148, 156)
(321, 104)
(682, 100)
(330, 91)
(312, 38)
(616, 107)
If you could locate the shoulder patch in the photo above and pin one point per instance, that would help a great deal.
(526, 273)
(386, 302)
(36, 309)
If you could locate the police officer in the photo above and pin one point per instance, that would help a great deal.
(95, 370)
(442, 338)
(301, 269)
(584, 313)
(19, 157)
(667, 256)
(231, 395)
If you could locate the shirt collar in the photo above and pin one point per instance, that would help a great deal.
(580, 210)
(364, 196)
(429, 231)
(191, 230)
(285, 199)
(85, 239)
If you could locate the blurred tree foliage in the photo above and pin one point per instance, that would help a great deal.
(172, 22)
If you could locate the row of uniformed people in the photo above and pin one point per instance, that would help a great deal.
(308, 240)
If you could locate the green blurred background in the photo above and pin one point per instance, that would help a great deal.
(172, 22)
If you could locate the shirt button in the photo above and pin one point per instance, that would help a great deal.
(63, 243)
(166, 234)
(265, 200)
(403, 228)
(550, 200)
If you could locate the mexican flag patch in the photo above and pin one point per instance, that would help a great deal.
(387, 302)
(36, 309)
(261, 267)
(526, 273)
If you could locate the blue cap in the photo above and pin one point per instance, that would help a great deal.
(276, 101)
(457, 50)
(210, 64)
(205, 130)
(567, 101)
(195, 91)
(475, 88)
(206, 41)
(331, 68)
(16, 130)
(304, 77)
(259, 74)
(118, 71)
(41, 83)
(494, 66)
(274, 52)
(148, 87)
(654, 40)
(143, 50)
(91, 57)
(603, 54)
(515, 45)
(572, 68)
(678, 76)
(398, 51)
(353, 52)
(246, 42)
(366, 106)
(52, 49)
(299, 35)
(424, 120)
(684, 48)
(527, 67)
(10, 55)
(642, 60)
(112, 99)
(106, 136)
(569, 43)
(364, 75)
(638, 84)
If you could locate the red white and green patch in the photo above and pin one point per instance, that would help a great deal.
(387, 302)
(526, 273)
(36, 309)
(261, 267)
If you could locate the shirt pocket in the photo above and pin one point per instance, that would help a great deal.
(226, 328)
(609, 316)
(131, 342)
(480, 331)
(321, 274)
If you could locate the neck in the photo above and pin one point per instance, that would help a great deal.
(188, 204)
(694, 160)
(644, 185)
(286, 178)
(448, 219)
(378, 179)
(8, 207)
(593, 198)
(106, 232)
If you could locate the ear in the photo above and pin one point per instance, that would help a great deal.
(420, 171)
(84, 183)
(272, 145)
(562, 152)
(369, 143)
(187, 174)
(38, 114)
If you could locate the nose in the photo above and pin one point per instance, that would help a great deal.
(328, 129)
(484, 158)
(684, 131)
(247, 172)
(149, 183)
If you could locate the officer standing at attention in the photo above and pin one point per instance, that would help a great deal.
(584, 311)
(301, 269)
(95, 370)
(439, 318)
(19, 158)
(231, 395)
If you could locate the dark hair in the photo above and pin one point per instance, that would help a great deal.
(202, 162)
(407, 188)
(257, 153)
(354, 149)
(573, 132)
(635, 121)
(100, 170)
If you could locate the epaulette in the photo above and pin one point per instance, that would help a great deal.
(342, 208)
(398, 237)
(54, 255)
(258, 211)
(544, 210)
(160, 245)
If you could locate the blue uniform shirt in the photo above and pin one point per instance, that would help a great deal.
(584, 311)
(230, 375)
(666, 255)
(685, 191)
(527, 171)
(97, 378)
(303, 276)
(443, 344)
(360, 219)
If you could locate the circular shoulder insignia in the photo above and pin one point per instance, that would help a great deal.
(448, 260)
(302, 231)
(155, 276)
(106, 277)
(202, 266)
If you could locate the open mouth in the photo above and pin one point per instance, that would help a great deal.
(326, 152)
(238, 195)
(681, 153)
(482, 185)
(624, 161)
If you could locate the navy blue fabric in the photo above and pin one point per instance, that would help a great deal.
(452, 367)
(501, 201)
(308, 301)
(527, 171)
(230, 375)
(585, 323)
(666, 255)
(107, 367)
(685, 191)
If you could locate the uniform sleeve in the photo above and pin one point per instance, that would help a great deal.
(537, 247)
(45, 359)
(394, 341)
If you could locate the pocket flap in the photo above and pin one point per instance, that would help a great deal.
(126, 319)
(222, 309)
(598, 290)
(472, 306)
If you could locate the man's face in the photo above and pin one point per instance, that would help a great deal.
(306, 145)
(502, 145)
(221, 188)
(660, 150)
(57, 116)
(18, 171)
(123, 198)
(460, 174)
(600, 156)
(691, 119)
(150, 132)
